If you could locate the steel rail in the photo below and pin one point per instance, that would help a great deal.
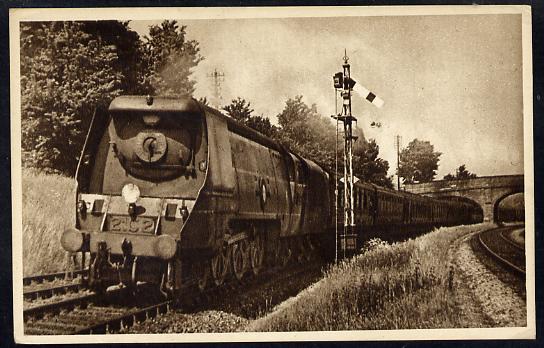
(511, 242)
(126, 320)
(51, 291)
(40, 278)
(71, 303)
(498, 257)
(56, 307)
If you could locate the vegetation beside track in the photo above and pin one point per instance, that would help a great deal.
(400, 286)
(48, 201)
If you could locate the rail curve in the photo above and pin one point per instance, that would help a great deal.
(504, 253)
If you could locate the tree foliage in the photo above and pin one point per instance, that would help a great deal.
(171, 57)
(68, 69)
(66, 72)
(368, 166)
(461, 173)
(241, 111)
(418, 162)
(306, 132)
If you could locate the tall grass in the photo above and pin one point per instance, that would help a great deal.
(48, 207)
(401, 286)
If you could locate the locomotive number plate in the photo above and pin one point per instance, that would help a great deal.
(127, 224)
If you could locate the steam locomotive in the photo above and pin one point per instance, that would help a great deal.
(172, 192)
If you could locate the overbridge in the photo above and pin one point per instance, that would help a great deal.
(486, 191)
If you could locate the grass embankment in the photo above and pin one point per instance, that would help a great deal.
(48, 207)
(400, 286)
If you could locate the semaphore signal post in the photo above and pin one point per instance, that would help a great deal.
(343, 83)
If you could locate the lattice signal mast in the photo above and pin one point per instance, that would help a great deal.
(344, 84)
(218, 78)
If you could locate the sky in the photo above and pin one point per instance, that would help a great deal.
(454, 80)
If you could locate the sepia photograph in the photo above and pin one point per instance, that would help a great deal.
(272, 174)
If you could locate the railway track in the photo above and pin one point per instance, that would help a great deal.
(91, 313)
(113, 311)
(48, 285)
(41, 278)
(503, 249)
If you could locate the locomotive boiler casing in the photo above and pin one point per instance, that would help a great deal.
(267, 185)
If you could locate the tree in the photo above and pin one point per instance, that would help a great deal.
(368, 166)
(418, 162)
(67, 71)
(241, 111)
(263, 125)
(129, 48)
(170, 58)
(304, 131)
(461, 174)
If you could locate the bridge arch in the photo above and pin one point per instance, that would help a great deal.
(487, 191)
(498, 202)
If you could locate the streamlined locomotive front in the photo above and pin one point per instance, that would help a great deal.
(142, 169)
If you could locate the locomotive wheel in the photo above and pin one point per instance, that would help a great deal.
(257, 254)
(220, 267)
(239, 257)
(246, 253)
(202, 273)
(237, 261)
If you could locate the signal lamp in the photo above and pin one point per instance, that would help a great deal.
(165, 247)
(338, 79)
(151, 119)
(130, 193)
(71, 240)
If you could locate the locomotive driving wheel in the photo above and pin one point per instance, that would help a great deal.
(240, 258)
(220, 266)
(257, 253)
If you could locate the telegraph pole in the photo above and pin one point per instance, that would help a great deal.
(398, 141)
(218, 78)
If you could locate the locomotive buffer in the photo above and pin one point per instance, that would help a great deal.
(344, 83)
